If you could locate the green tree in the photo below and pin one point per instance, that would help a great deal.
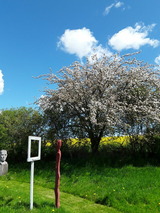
(15, 127)
(3, 137)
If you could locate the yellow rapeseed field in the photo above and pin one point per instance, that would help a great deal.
(121, 140)
(75, 142)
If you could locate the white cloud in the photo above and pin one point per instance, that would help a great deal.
(81, 42)
(1, 83)
(100, 51)
(157, 60)
(114, 5)
(119, 4)
(107, 10)
(133, 38)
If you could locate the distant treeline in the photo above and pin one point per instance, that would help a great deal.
(17, 124)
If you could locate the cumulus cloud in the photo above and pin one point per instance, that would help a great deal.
(1, 83)
(81, 42)
(157, 60)
(114, 5)
(133, 38)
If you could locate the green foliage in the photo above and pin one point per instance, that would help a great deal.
(76, 148)
(156, 146)
(17, 124)
(3, 137)
(15, 127)
(145, 146)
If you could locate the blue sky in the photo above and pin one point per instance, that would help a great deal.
(36, 35)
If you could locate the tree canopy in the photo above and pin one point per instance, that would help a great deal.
(15, 127)
(103, 94)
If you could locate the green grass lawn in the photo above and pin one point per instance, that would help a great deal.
(14, 197)
(86, 187)
(14, 194)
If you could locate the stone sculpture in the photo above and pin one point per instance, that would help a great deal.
(3, 163)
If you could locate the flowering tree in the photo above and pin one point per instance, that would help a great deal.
(102, 94)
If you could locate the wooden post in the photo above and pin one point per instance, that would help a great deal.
(57, 178)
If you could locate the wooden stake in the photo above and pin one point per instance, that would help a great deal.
(57, 178)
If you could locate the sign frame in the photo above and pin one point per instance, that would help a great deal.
(30, 158)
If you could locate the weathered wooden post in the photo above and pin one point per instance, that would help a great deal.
(57, 177)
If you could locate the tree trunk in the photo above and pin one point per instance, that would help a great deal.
(95, 144)
(95, 136)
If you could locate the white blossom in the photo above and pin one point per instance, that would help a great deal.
(102, 94)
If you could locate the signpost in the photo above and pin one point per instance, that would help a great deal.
(31, 141)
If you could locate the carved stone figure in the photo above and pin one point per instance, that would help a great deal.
(3, 163)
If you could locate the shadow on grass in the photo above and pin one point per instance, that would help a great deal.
(113, 159)
(104, 201)
(26, 205)
(21, 204)
(5, 201)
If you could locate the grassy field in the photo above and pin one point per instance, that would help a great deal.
(14, 193)
(14, 197)
(86, 186)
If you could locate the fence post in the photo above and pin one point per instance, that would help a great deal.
(57, 177)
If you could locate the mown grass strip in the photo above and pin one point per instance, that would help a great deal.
(15, 198)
